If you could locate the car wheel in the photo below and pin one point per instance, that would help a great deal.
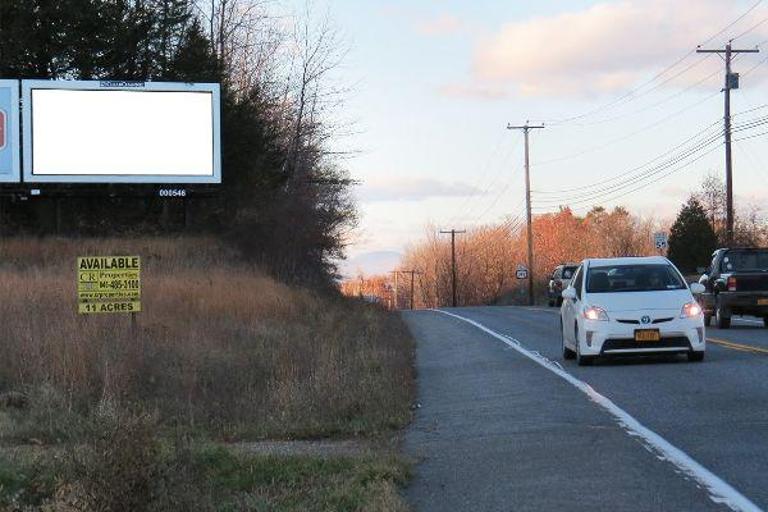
(707, 320)
(721, 319)
(695, 357)
(582, 360)
(559, 301)
(567, 353)
(765, 320)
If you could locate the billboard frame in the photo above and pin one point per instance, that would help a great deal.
(27, 86)
(12, 133)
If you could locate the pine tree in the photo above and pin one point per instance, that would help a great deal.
(691, 240)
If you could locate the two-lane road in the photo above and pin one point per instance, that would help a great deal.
(498, 430)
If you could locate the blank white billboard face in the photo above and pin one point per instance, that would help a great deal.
(121, 135)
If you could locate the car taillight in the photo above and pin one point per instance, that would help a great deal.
(731, 284)
(558, 284)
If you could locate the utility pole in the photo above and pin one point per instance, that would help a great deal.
(453, 234)
(395, 272)
(413, 273)
(527, 128)
(731, 82)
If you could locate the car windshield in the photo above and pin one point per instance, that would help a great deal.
(568, 272)
(745, 260)
(633, 278)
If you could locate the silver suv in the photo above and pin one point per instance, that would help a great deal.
(559, 281)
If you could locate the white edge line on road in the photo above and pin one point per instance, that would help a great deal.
(719, 491)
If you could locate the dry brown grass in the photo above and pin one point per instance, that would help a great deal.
(220, 348)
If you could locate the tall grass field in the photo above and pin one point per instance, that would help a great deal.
(220, 353)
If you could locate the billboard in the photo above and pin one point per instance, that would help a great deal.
(121, 132)
(9, 131)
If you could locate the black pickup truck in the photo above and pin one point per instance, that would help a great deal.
(736, 284)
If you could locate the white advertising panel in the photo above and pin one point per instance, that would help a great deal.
(121, 132)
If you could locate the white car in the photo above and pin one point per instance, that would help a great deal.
(630, 306)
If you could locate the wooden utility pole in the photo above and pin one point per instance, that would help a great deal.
(527, 128)
(731, 82)
(394, 302)
(453, 234)
(413, 273)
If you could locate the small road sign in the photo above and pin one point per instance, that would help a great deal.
(522, 272)
(660, 239)
(109, 284)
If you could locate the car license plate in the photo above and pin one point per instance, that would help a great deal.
(647, 335)
(762, 302)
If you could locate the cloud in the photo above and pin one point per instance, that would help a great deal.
(480, 91)
(445, 24)
(607, 47)
(412, 189)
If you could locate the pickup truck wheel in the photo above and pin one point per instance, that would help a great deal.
(723, 321)
(707, 320)
(695, 356)
(765, 320)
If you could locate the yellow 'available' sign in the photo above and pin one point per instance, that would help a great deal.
(109, 284)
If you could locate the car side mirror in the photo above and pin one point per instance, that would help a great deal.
(697, 288)
(704, 279)
(569, 293)
(719, 285)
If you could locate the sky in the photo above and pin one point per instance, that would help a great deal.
(617, 84)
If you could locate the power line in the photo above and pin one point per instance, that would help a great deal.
(631, 95)
(640, 178)
(632, 134)
(484, 175)
(622, 175)
(645, 184)
(654, 171)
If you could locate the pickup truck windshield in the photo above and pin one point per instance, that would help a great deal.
(745, 261)
(633, 278)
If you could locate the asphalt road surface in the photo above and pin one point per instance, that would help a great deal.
(502, 429)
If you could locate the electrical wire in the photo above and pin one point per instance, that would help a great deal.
(632, 94)
(642, 177)
(630, 135)
(632, 170)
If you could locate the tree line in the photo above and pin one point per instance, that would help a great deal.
(285, 198)
(488, 256)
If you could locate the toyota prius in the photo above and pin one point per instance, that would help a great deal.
(630, 306)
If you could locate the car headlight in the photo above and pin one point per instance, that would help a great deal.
(595, 313)
(690, 310)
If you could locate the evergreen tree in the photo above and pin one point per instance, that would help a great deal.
(692, 239)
